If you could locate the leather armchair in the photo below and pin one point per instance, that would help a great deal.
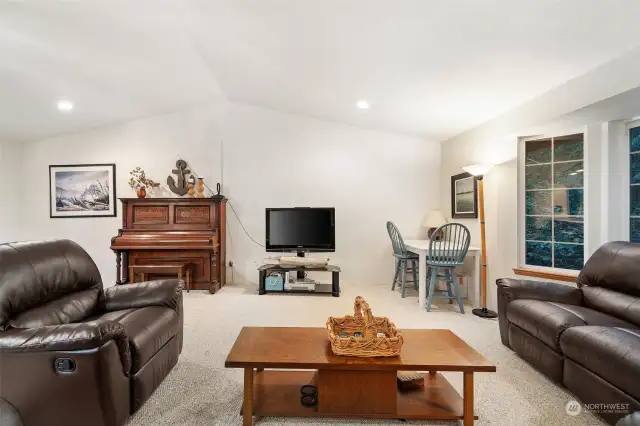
(73, 353)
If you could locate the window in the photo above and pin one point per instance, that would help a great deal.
(554, 202)
(634, 181)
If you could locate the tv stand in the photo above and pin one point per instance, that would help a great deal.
(334, 289)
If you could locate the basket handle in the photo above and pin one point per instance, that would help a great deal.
(362, 311)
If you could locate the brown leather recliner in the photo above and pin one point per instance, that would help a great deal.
(585, 337)
(72, 353)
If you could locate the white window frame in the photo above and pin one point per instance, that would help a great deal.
(522, 198)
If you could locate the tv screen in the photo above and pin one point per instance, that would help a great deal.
(301, 229)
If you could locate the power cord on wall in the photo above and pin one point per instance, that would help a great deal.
(231, 265)
(243, 228)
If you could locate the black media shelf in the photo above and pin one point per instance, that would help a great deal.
(333, 288)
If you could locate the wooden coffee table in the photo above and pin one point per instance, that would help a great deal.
(349, 386)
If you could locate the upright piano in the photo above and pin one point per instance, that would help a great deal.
(166, 230)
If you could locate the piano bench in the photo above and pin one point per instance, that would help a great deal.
(182, 270)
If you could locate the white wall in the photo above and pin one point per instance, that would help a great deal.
(12, 188)
(271, 159)
(501, 202)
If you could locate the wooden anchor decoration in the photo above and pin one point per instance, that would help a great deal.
(181, 170)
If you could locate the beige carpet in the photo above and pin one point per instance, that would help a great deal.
(200, 391)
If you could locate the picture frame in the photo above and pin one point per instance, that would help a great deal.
(464, 196)
(82, 190)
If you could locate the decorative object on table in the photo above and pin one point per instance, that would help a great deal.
(200, 188)
(464, 200)
(443, 257)
(432, 220)
(139, 182)
(409, 380)
(363, 321)
(218, 190)
(82, 190)
(478, 171)
(191, 184)
(181, 171)
(403, 257)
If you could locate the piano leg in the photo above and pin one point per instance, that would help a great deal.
(215, 284)
(118, 267)
(125, 268)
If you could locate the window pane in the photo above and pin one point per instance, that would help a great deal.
(569, 256)
(635, 168)
(568, 148)
(568, 202)
(538, 151)
(634, 139)
(635, 230)
(569, 175)
(634, 201)
(538, 254)
(568, 229)
(539, 228)
(539, 202)
(538, 177)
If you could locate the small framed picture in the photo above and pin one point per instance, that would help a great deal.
(82, 190)
(464, 200)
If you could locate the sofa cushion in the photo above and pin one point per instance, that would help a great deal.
(611, 353)
(148, 329)
(73, 307)
(613, 303)
(548, 320)
(35, 273)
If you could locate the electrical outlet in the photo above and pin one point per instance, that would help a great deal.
(231, 263)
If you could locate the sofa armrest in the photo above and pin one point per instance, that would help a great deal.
(510, 289)
(539, 290)
(166, 293)
(67, 337)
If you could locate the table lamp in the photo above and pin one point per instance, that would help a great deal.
(433, 220)
(479, 170)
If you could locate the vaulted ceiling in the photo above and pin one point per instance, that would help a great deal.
(430, 68)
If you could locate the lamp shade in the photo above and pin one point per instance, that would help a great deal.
(477, 169)
(433, 219)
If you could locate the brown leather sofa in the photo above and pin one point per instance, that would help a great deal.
(72, 353)
(585, 337)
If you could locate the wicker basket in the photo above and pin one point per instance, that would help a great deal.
(363, 321)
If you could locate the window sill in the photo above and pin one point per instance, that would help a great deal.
(567, 277)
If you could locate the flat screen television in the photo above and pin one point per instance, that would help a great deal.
(301, 229)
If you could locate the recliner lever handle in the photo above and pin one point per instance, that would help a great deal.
(65, 365)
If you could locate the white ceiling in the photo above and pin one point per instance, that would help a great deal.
(432, 68)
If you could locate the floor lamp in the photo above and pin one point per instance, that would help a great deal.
(479, 170)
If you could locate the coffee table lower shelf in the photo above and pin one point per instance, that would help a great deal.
(276, 393)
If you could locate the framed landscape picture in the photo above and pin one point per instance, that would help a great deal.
(464, 200)
(82, 190)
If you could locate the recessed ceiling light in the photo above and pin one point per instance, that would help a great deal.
(64, 105)
(362, 104)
